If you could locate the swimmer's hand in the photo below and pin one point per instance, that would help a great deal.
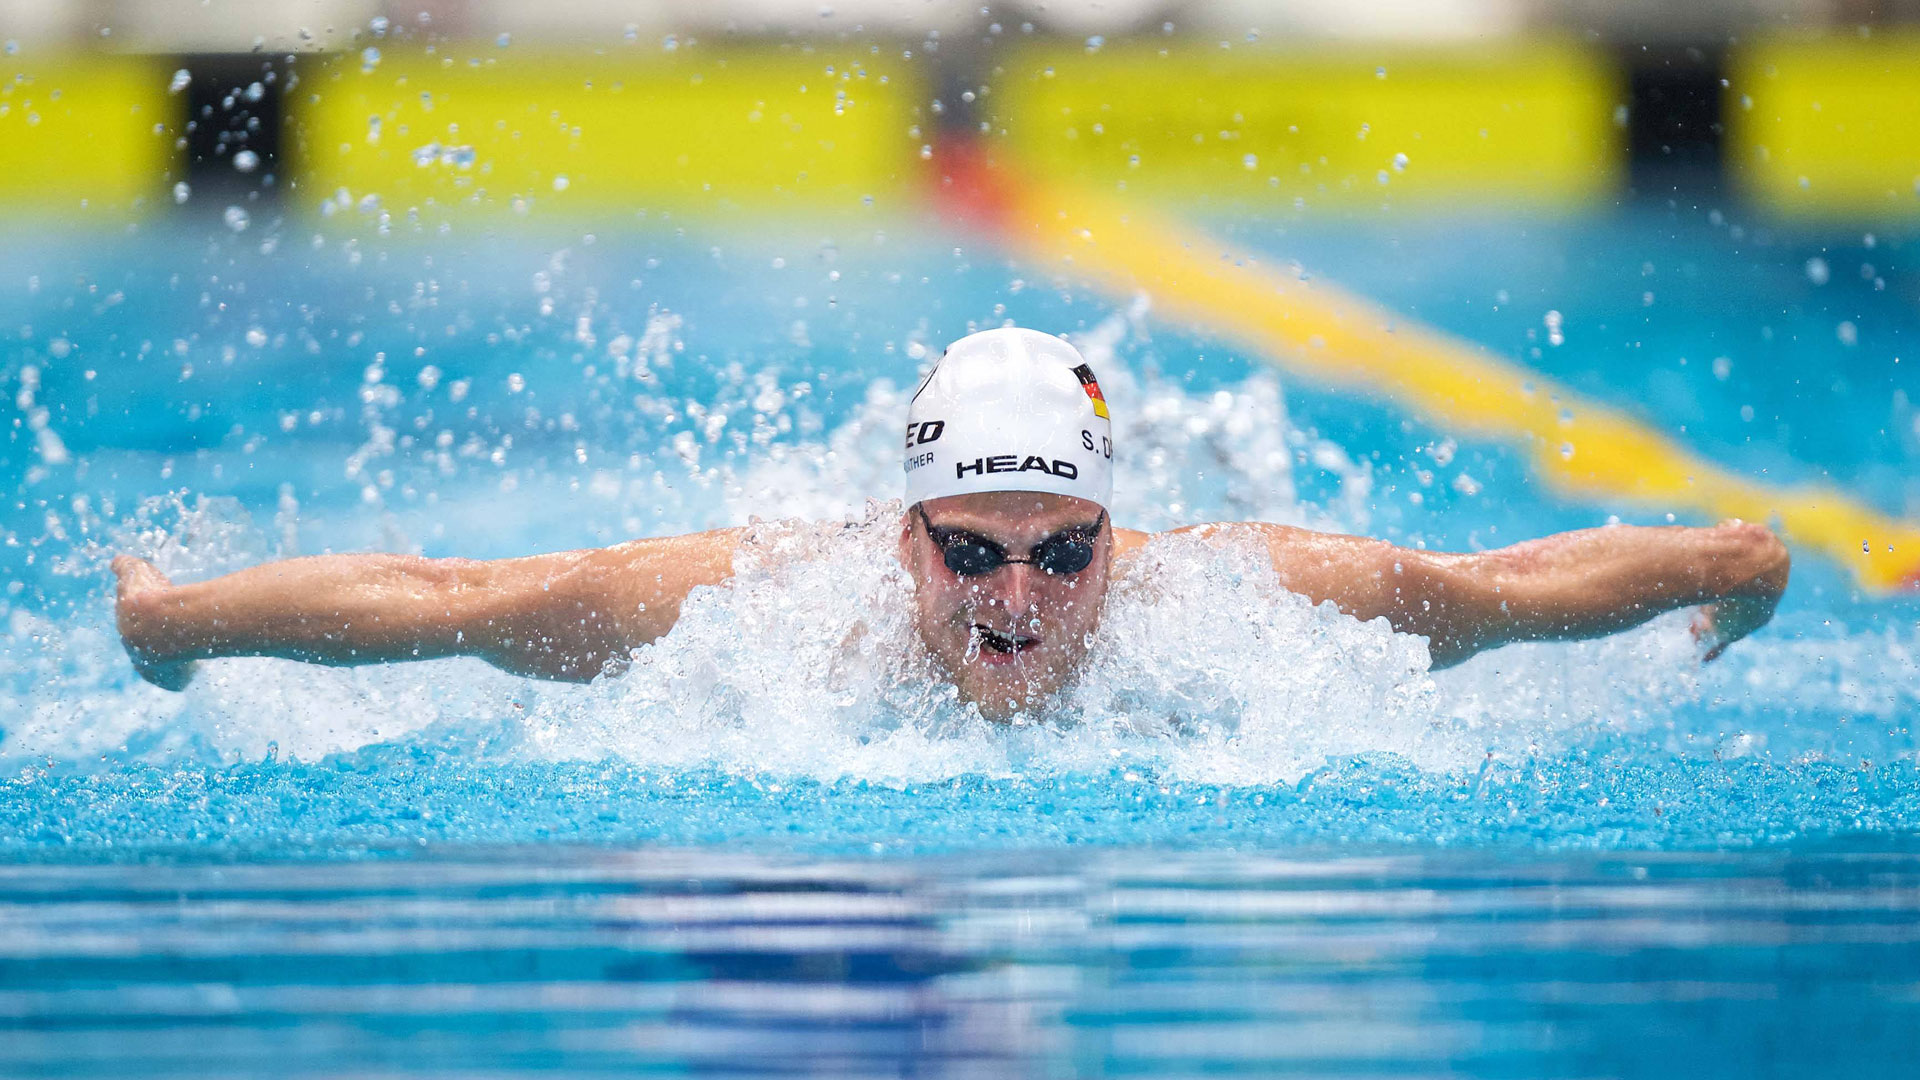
(1725, 621)
(137, 610)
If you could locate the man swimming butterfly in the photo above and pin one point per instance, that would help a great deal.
(1008, 453)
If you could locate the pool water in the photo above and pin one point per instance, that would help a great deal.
(745, 856)
(1060, 962)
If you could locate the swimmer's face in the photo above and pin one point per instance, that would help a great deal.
(1011, 636)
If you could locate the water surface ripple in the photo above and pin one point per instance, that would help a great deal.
(1104, 961)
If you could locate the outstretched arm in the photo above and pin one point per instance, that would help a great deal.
(1573, 585)
(558, 616)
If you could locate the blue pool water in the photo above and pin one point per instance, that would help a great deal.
(1594, 859)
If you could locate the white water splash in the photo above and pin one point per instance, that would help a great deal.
(1243, 681)
(805, 665)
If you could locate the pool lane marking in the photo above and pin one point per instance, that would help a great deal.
(1581, 448)
(756, 129)
(84, 135)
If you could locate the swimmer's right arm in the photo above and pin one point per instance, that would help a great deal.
(1565, 587)
(557, 616)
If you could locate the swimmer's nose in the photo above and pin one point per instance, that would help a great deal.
(1012, 587)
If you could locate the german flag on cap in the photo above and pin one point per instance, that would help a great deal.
(1092, 386)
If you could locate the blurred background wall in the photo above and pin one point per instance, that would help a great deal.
(410, 114)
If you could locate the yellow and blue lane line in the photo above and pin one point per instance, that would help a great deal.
(1581, 448)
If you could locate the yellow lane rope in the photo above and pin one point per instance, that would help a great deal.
(1582, 448)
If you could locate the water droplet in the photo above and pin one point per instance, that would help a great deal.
(516, 382)
(369, 59)
(1848, 333)
(1399, 163)
(379, 25)
(1566, 451)
(236, 218)
(1722, 367)
(560, 183)
(1094, 43)
(503, 40)
(181, 80)
(1379, 73)
(1251, 161)
(1817, 270)
(246, 161)
(181, 192)
(256, 337)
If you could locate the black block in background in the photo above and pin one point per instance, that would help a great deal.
(1675, 133)
(223, 118)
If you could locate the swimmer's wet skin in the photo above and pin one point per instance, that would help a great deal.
(1008, 466)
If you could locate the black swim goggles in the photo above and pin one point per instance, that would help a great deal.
(1068, 551)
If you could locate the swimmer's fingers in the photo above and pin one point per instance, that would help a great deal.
(167, 675)
(1707, 637)
(137, 579)
(136, 576)
(1720, 624)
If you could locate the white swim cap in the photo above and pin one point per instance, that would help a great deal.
(1009, 410)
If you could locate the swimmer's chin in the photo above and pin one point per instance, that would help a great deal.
(1007, 695)
(1003, 687)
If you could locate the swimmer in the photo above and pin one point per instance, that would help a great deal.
(1008, 453)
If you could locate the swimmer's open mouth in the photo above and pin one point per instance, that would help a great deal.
(1002, 643)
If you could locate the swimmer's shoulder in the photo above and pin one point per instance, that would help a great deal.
(1128, 541)
(1278, 538)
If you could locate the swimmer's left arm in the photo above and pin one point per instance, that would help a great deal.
(563, 615)
(1565, 587)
